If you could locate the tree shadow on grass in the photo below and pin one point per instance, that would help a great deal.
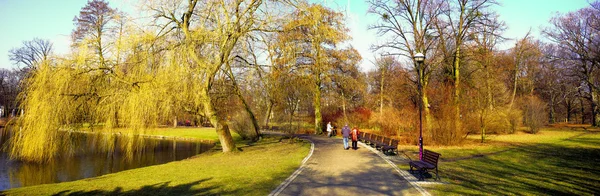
(533, 169)
(155, 189)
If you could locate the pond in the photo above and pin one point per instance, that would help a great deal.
(94, 155)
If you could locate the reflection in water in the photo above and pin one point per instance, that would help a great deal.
(93, 155)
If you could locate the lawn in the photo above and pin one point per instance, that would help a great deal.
(552, 162)
(256, 169)
(204, 133)
(194, 133)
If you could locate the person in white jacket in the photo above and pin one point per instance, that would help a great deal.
(329, 129)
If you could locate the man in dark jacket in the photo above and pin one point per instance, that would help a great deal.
(346, 134)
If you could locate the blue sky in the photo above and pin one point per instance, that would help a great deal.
(22, 20)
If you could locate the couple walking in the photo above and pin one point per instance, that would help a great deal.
(346, 133)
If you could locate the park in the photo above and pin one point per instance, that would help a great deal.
(257, 97)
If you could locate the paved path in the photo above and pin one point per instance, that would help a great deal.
(331, 170)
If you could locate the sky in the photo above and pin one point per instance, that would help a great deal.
(23, 20)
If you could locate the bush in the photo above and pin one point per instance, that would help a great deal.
(535, 115)
(242, 125)
(443, 130)
(514, 118)
(395, 122)
(360, 117)
(503, 120)
(500, 120)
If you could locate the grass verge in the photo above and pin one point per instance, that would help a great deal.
(256, 169)
(205, 133)
(552, 162)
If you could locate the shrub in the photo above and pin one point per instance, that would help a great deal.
(535, 115)
(394, 121)
(360, 117)
(242, 125)
(514, 118)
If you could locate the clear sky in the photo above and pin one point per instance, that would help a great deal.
(22, 20)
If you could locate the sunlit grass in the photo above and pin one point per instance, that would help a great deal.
(552, 162)
(199, 133)
(256, 170)
(196, 133)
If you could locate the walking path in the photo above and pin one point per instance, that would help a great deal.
(331, 170)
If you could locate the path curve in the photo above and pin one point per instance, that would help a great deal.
(331, 170)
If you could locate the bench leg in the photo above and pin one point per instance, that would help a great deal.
(437, 176)
(422, 174)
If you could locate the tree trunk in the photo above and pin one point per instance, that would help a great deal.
(514, 90)
(268, 115)
(238, 92)
(175, 122)
(569, 108)
(488, 87)
(426, 112)
(254, 121)
(317, 103)
(116, 123)
(582, 112)
(482, 126)
(219, 123)
(344, 108)
(381, 95)
(552, 115)
(594, 108)
(457, 123)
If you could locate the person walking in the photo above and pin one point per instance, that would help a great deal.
(329, 129)
(354, 134)
(345, 135)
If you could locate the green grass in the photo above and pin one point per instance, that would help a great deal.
(552, 162)
(256, 170)
(195, 133)
(204, 133)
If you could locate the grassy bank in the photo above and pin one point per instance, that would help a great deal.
(203, 133)
(552, 162)
(256, 170)
(195, 133)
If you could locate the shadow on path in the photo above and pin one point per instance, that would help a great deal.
(334, 171)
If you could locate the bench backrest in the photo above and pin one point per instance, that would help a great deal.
(361, 135)
(367, 136)
(431, 157)
(386, 140)
(379, 138)
(394, 143)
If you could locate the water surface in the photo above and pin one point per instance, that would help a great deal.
(94, 155)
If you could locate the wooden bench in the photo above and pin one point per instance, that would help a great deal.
(429, 162)
(380, 143)
(361, 136)
(393, 147)
(369, 138)
(374, 140)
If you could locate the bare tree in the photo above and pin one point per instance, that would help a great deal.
(460, 20)
(576, 34)
(92, 23)
(9, 90)
(408, 29)
(31, 53)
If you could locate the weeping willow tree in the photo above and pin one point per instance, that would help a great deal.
(136, 93)
(136, 79)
